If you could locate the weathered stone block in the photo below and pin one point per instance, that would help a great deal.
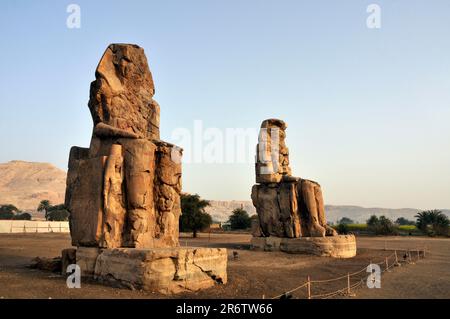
(68, 257)
(86, 258)
(164, 270)
(84, 200)
(341, 246)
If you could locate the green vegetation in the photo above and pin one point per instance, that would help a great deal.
(345, 221)
(433, 223)
(239, 219)
(193, 217)
(44, 206)
(381, 226)
(11, 212)
(58, 213)
(343, 229)
(53, 212)
(403, 221)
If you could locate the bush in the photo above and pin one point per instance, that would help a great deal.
(240, 219)
(57, 213)
(22, 216)
(8, 211)
(346, 221)
(342, 229)
(403, 221)
(381, 226)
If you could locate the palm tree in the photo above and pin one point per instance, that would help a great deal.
(433, 222)
(44, 206)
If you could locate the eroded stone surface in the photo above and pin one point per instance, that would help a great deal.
(86, 258)
(122, 94)
(287, 206)
(340, 246)
(124, 190)
(165, 270)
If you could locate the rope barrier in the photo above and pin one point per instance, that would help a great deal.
(347, 290)
(328, 280)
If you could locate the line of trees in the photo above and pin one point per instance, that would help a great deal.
(51, 212)
(11, 212)
(430, 222)
(195, 219)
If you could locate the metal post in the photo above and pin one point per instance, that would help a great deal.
(309, 287)
(396, 258)
(418, 254)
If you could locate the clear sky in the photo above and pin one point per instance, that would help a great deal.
(368, 110)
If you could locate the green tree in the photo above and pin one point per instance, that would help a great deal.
(22, 216)
(372, 221)
(403, 221)
(57, 213)
(381, 226)
(193, 216)
(346, 221)
(44, 206)
(239, 219)
(433, 222)
(342, 229)
(8, 211)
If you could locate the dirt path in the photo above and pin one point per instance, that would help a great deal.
(254, 275)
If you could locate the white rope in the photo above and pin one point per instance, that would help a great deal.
(336, 292)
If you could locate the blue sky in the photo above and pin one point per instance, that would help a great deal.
(367, 109)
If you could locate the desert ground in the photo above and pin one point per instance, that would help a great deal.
(254, 274)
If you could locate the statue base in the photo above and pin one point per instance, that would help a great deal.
(341, 246)
(163, 270)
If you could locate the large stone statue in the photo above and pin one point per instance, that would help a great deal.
(287, 206)
(124, 190)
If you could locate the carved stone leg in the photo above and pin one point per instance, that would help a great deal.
(114, 206)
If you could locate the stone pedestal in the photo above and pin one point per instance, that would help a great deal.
(163, 270)
(341, 246)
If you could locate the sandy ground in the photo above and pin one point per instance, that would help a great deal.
(254, 275)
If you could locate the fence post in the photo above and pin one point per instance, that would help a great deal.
(418, 254)
(348, 284)
(424, 252)
(396, 258)
(409, 256)
(309, 287)
(387, 264)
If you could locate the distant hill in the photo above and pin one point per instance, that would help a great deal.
(221, 210)
(25, 184)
